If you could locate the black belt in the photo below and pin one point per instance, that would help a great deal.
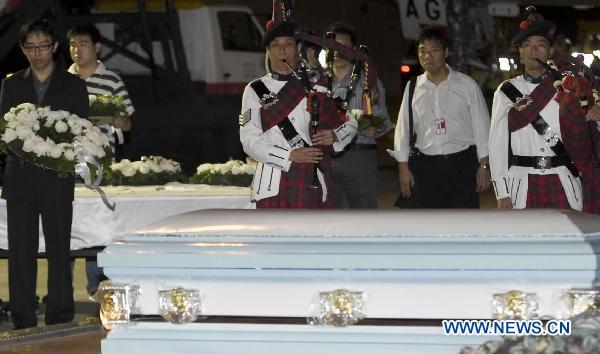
(466, 152)
(540, 162)
(291, 134)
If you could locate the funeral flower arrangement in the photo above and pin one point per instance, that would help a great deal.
(107, 105)
(231, 173)
(153, 170)
(52, 139)
(367, 120)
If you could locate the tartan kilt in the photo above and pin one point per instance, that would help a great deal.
(591, 190)
(546, 191)
(295, 190)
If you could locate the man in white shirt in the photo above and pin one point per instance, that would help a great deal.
(530, 165)
(275, 129)
(451, 123)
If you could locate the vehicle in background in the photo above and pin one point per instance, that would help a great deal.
(184, 63)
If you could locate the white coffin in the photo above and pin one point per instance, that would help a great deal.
(410, 265)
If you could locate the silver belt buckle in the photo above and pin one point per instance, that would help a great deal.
(543, 162)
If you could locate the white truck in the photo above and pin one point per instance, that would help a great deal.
(190, 117)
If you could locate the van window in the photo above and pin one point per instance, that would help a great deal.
(238, 32)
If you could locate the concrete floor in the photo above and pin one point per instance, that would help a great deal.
(88, 342)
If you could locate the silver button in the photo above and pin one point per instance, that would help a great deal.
(292, 119)
(542, 150)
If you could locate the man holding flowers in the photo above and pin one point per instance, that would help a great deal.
(31, 190)
(102, 84)
(84, 46)
(355, 169)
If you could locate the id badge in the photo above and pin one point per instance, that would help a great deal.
(440, 127)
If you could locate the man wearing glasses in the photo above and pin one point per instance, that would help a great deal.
(31, 191)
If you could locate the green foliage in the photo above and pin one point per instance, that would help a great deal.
(107, 105)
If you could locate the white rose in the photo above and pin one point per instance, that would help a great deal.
(42, 148)
(43, 111)
(236, 170)
(9, 116)
(27, 106)
(76, 130)
(99, 152)
(356, 113)
(153, 166)
(248, 169)
(86, 124)
(128, 171)
(224, 168)
(69, 154)
(26, 118)
(136, 165)
(49, 121)
(56, 152)
(61, 115)
(92, 98)
(205, 167)
(28, 145)
(115, 166)
(169, 166)
(9, 135)
(12, 124)
(61, 127)
(144, 169)
(23, 132)
(232, 163)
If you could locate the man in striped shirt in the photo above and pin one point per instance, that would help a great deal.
(355, 169)
(84, 46)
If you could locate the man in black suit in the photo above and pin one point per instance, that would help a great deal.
(31, 191)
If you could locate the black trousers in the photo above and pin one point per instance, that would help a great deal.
(447, 181)
(31, 192)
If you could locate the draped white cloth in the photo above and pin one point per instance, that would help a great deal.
(95, 225)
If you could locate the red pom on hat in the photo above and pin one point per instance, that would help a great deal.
(524, 24)
(270, 24)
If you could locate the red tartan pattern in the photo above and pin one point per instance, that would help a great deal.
(582, 141)
(546, 191)
(295, 191)
(294, 185)
(288, 98)
(578, 137)
(591, 181)
(540, 96)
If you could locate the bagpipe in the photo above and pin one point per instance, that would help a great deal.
(318, 101)
(573, 80)
(283, 11)
(578, 90)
